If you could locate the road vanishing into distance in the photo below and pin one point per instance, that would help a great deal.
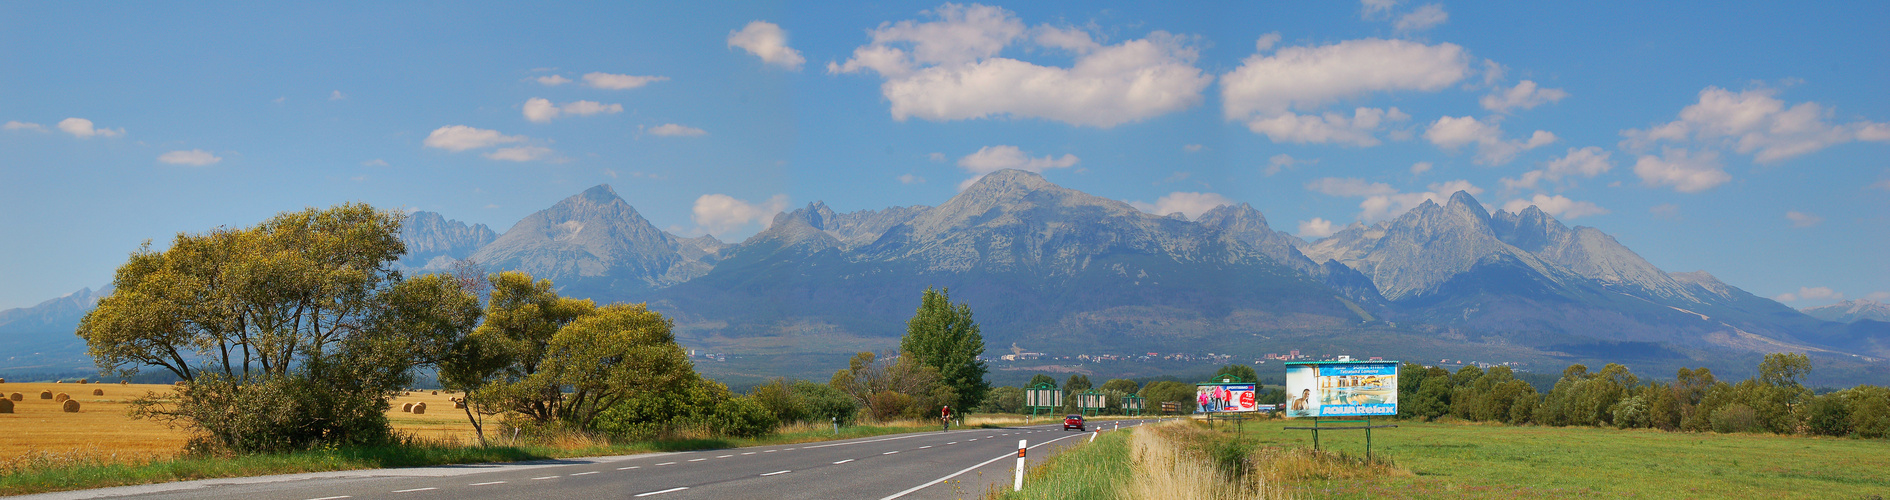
(925, 465)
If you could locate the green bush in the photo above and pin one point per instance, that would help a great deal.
(1631, 413)
(1827, 415)
(1735, 418)
(705, 405)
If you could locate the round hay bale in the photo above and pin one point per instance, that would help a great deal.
(98, 392)
(71, 406)
(124, 382)
(6, 406)
(45, 394)
(85, 381)
(3, 380)
(61, 398)
(17, 397)
(419, 408)
(406, 407)
(436, 393)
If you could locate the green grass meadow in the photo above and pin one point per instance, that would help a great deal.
(1463, 460)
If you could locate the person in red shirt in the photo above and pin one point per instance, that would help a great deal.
(945, 416)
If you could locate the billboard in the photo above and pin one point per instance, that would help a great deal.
(1212, 398)
(1341, 388)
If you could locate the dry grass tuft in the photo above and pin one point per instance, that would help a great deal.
(71, 406)
(1166, 469)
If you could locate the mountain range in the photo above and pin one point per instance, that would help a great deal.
(1060, 271)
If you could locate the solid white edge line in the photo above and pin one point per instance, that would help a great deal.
(678, 488)
(969, 469)
(414, 490)
(777, 472)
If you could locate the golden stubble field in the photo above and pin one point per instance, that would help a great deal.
(104, 429)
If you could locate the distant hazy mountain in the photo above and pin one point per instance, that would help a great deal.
(42, 337)
(1850, 311)
(1059, 270)
(433, 242)
(595, 244)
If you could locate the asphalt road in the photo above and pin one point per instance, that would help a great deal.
(955, 464)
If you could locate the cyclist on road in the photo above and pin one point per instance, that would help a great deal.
(945, 416)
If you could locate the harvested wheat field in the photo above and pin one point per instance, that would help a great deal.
(103, 428)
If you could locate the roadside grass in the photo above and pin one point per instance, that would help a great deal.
(1471, 460)
(43, 471)
(1098, 470)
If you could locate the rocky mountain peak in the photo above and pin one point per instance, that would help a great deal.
(1851, 311)
(601, 194)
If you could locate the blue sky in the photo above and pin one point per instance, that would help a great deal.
(1749, 141)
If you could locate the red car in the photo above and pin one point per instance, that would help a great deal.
(1073, 422)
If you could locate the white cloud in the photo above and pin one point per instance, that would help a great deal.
(1420, 168)
(1451, 133)
(1309, 77)
(82, 128)
(1317, 228)
(1375, 9)
(720, 213)
(1266, 42)
(1327, 128)
(1524, 95)
(1426, 17)
(1559, 206)
(14, 125)
(1686, 173)
(1879, 296)
(539, 110)
(949, 69)
(1281, 162)
(674, 130)
(1192, 148)
(1349, 187)
(994, 158)
(1754, 122)
(194, 157)
(609, 81)
(1585, 162)
(911, 179)
(377, 162)
(552, 80)
(1667, 211)
(1803, 219)
(521, 153)
(938, 157)
(1381, 201)
(1810, 293)
(458, 138)
(1492, 73)
(767, 41)
(336, 96)
(1883, 184)
(1191, 205)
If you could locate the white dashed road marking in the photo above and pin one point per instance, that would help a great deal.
(697, 459)
(667, 463)
(630, 467)
(843, 461)
(331, 498)
(583, 473)
(924, 447)
(725, 456)
(678, 488)
(414, 490)
(488, 483)
(777, 472)
(546, 477)
(890, 452)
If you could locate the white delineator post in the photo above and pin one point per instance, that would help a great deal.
(1017, 483)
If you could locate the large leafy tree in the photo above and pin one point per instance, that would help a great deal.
(943, 336)
(499, 363)
(287, 334)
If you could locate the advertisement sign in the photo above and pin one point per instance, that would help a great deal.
(1342, 389)
(1225, 397)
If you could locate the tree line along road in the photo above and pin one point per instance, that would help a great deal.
(955, 464)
